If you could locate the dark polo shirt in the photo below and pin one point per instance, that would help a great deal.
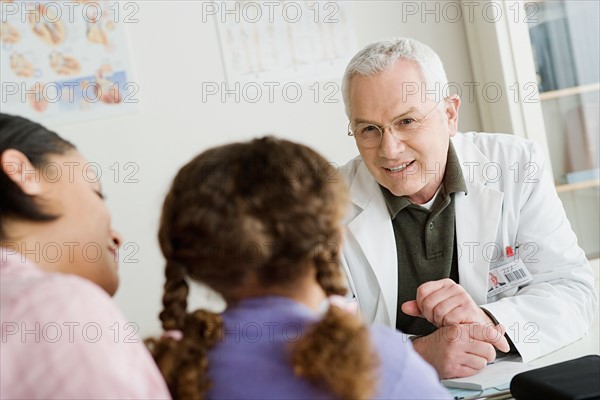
(425, 242)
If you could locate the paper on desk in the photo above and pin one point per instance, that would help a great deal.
(494, 375)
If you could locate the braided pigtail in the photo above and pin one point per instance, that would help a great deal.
(202, 331)
(329, 272)
(181, 354)
(336, 353)
(174, 298)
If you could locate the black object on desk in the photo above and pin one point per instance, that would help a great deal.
(577, 379)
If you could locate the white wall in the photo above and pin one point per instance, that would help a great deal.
(173, 53)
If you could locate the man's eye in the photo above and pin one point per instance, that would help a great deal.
(405, 121)
(369, 129)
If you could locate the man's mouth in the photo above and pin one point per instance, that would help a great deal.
(399, 167)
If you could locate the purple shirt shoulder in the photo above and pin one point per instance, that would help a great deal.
(251, 362)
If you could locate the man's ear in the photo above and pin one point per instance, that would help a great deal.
(17, 167)
(452, 105)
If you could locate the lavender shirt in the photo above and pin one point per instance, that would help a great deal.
(251, 362)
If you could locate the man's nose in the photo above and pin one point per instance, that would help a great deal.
(390, 145)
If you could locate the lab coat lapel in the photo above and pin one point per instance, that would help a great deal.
(477, 219)
(373, 231)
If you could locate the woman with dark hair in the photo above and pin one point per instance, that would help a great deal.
(259, 222)
(62, 336)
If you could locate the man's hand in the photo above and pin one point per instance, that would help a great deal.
(443, 303)
(456, 351)
(446, 303)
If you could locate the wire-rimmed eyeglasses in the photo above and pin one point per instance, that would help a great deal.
(405, 128)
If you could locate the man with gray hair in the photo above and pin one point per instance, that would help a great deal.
(428, 223)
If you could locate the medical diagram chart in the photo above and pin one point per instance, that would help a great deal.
(66, 60)
(301, 41)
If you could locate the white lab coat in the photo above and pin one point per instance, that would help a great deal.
(510, 201)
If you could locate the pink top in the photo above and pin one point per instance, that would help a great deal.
(63, 337)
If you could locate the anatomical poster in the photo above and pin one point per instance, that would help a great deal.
(66, 60)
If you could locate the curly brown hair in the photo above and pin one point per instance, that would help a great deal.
(264, 211)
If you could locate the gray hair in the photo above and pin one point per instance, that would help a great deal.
(383, 54)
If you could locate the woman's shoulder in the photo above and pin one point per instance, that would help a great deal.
(56, 317)
(54, 295)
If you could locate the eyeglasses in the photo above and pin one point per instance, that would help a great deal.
(404, 128)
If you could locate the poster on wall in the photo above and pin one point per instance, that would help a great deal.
(280, 41)
(66, 61)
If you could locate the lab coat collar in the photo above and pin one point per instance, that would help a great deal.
(372, 228)
(363, 187)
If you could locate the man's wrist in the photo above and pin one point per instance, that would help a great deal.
(417, 342)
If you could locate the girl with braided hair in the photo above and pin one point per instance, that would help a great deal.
(259, 223)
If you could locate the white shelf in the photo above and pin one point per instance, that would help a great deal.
(555, 94)
(576, 186)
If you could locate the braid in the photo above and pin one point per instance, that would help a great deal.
(329, 272)
(184, 363)
(336, 353)
(174, 297)
(202, 331)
